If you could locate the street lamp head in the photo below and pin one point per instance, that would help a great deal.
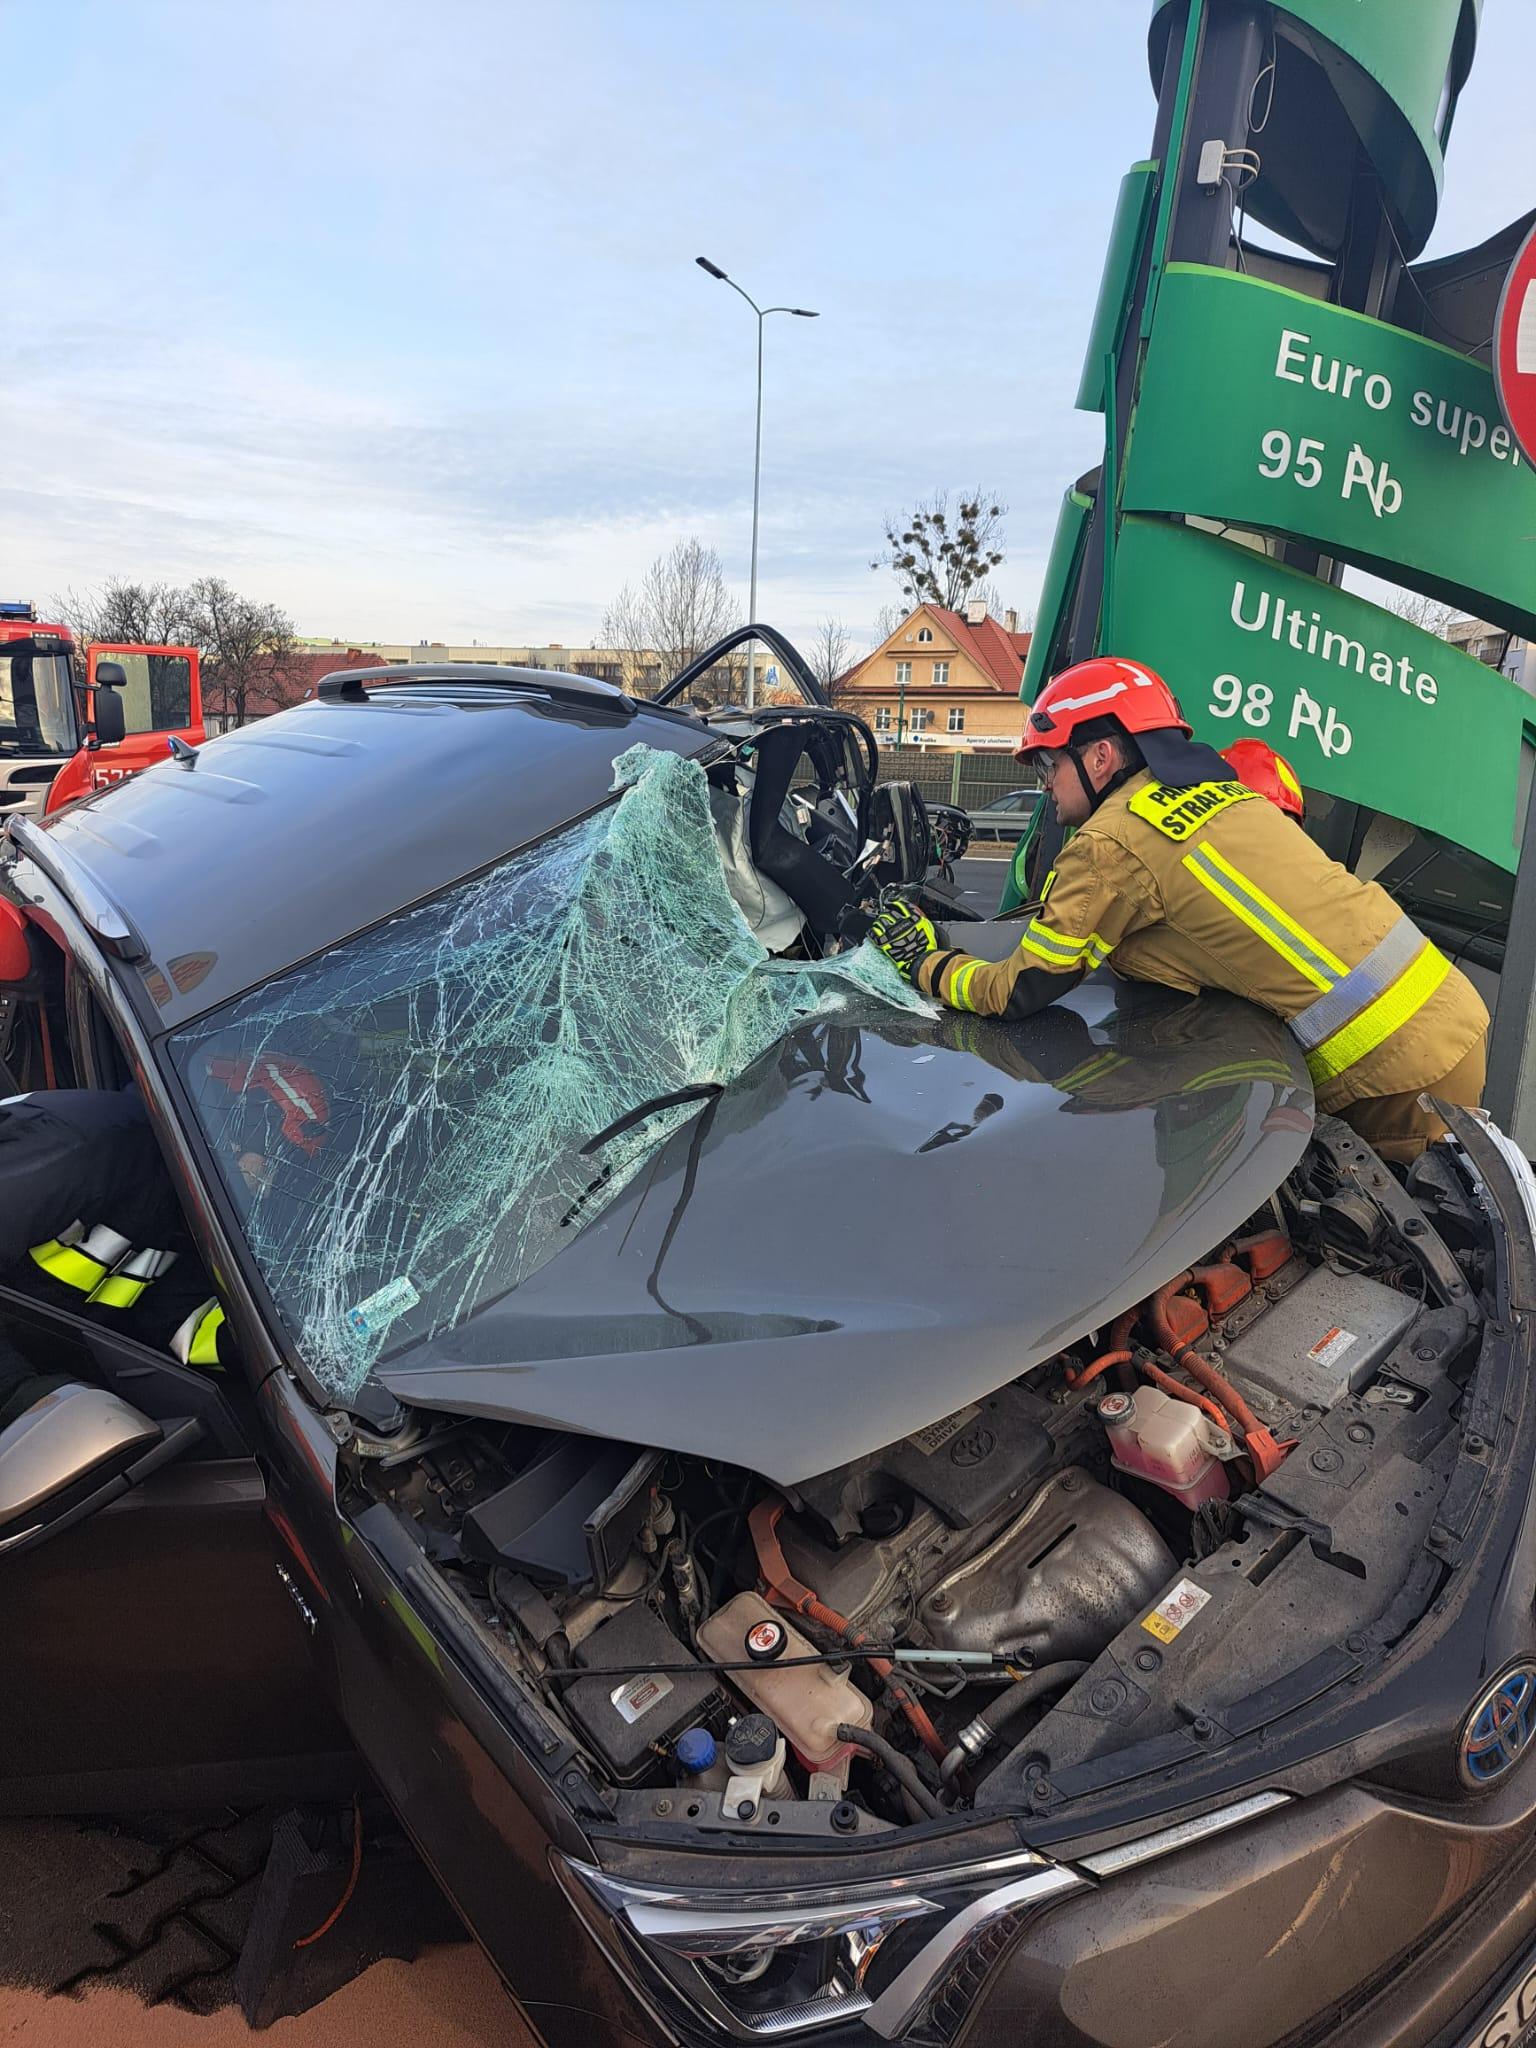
(713, 268)
(802, 313)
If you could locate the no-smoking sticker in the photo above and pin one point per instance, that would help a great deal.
(1176, 1611)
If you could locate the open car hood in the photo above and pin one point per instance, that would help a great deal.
(874, 1226)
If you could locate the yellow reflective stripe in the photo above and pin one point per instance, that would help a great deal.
(1045, 886)
(1239, 1070)
(204, 1348)
(1091, 1070)
(1068, 949)
(960, 985)
(118, 1290)
(74, 1268)
(1255, 924)
(1058, 951)
(1270, 906)
(1377, 1022)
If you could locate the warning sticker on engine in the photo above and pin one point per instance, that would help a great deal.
(937, 1434)
(1172, 1614)
(637, 1696)
(1331, 1346)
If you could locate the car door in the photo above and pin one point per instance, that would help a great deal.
(162, 696)
(153, 1654)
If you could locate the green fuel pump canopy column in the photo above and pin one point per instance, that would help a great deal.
(1264, 430)
(1383, 75)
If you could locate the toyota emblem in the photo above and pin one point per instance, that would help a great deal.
(1499, 1728)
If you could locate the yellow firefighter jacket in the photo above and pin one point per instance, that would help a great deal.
(1213, 887)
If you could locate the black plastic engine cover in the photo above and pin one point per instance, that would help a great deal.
(966, 1465)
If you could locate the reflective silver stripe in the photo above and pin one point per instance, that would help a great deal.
(1286, 937)
(1070, 951)
(185, 1334)
(1370, 978)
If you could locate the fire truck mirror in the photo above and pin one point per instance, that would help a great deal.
(111, 725)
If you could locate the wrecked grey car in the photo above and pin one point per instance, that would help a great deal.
(826, 1520)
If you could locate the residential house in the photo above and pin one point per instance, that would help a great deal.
(943, 679)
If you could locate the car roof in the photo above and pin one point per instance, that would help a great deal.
(281, 838)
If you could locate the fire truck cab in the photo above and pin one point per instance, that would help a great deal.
(59, 739)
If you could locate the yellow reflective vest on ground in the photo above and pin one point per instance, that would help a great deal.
(1213, 887)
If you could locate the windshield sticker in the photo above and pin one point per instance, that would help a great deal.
(452, 1094)
(1169, 1616)
(382, 1307)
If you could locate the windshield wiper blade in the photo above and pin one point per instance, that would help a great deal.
(697, 1091)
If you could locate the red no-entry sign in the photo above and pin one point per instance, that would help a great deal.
(1514, 348)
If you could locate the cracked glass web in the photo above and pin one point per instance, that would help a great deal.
(400, 1122)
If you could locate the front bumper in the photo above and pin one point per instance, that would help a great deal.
(1351, 1919)
(1347, 1919)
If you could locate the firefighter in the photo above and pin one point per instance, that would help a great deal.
(1181, 874)
(89, 1221)
(1267, 773)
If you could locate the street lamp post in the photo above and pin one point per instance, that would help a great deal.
(762, 312)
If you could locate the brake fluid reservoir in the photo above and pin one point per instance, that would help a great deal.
(1167, 1441)
(806, 1701)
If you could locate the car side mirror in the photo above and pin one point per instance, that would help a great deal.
(67, 1455)
(109, 722)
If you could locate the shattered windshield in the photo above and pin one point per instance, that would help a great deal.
(416, 1120)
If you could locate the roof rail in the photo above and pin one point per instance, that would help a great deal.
(97, 912)
(348, 684)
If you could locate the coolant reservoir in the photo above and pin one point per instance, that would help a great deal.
(1168, 1441)
(806, 1701)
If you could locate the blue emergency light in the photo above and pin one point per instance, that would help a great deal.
(16, 608)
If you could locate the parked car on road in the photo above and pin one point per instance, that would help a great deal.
(826, 1520)
(1004, 817)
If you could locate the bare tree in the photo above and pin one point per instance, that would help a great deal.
(248, 650)
(680, 608)
(153, 614)
(887, 620)
(1427, 613)
(829, 656)
(940, 556)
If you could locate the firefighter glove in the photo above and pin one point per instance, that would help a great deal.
(903, 935)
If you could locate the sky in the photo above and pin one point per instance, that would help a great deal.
(389, 314)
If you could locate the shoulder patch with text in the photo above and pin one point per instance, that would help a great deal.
(1178, 812)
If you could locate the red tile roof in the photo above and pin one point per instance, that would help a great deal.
(997, 653)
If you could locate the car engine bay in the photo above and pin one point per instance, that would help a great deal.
(1137, 1539)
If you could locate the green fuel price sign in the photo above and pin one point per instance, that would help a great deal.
(1273, 410)
(1356, 698)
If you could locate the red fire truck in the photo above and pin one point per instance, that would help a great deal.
(57, 739)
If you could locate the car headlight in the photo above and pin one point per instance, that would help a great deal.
(772, 1965)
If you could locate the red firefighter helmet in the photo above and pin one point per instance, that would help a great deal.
(1105, 687)
(1256, 763)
